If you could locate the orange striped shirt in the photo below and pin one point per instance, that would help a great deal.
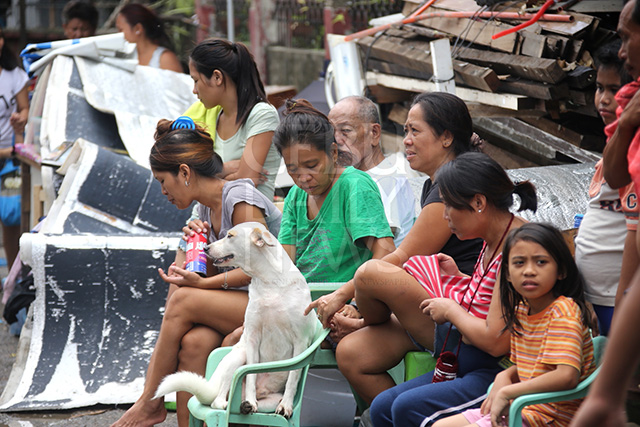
(555, 336)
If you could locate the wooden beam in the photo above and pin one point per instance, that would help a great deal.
(597, 6)
(524, 138)
(534, 89)
(537, 69)
(508, 101)
(416, 55)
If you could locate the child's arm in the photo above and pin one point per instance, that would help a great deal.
(563, 377)
(605, 403)
(503, 379)
(486, 334)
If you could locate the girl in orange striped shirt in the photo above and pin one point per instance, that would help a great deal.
(542, 295)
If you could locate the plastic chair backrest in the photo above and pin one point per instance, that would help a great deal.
(217, 417)
(580, 391)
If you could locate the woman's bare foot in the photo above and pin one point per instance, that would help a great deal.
(143, 413)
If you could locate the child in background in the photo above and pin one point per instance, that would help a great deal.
(79, 19)
(607, 234)
(544, 307)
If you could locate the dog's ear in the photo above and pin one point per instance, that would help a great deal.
(260, 238)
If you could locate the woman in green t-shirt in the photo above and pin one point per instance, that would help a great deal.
(333, 218)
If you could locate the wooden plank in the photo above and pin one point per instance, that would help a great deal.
(477, 31)
(581, 97)
(580, 24)
(415, 55)
(386, 95)
(539, 144)
(555, 129)
(508, 101)
(533, 89)
(597, 6)
(398, 114)
(481, 110)
(538, 69)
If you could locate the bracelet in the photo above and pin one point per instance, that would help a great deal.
(225, 285)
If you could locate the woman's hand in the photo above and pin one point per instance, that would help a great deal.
(343, 324)
(195, 226)
(180, 277)
(327, 306)
(448, 266)
(437, 308)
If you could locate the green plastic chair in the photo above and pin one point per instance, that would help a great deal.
(580, 391)
(198, 413)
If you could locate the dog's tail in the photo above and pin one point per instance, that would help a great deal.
(188, 381)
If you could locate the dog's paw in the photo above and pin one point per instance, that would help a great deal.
(219, 403)
(283, 410)
(248, 407)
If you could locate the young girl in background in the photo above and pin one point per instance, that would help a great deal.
(542, 298)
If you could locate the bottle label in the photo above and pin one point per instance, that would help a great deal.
(196, 256)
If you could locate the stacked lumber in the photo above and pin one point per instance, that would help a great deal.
(530, 92)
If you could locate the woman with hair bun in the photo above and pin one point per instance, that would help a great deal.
(145, 29)
(200, 311)
(458, 313)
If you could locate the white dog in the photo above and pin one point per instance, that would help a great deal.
(275, 327)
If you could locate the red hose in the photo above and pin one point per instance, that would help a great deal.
(535, 19)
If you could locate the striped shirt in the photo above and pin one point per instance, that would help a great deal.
(461, 289)
(555, 336)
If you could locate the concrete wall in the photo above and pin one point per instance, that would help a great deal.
(292, 66)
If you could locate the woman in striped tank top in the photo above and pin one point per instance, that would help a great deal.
(477, 194)
(544, 307)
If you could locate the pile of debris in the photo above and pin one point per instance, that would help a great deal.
(530, 91)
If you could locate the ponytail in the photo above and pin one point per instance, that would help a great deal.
(527, 193)
(249, 87)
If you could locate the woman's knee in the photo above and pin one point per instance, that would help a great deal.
(198, 343)
(371, 273)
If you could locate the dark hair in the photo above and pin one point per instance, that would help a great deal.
(445, 112)
(8, 59)
(607, 57)
(571, 285)
(476, 173)
(135, 13)
(193, 147)
(236, 63)
(303, 124)
(82, 10)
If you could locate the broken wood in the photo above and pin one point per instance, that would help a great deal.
(534, 89)
(532, 142)
(509, 101)
(537, 69)
(415, 55)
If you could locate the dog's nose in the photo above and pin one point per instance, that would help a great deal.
(205, 248)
